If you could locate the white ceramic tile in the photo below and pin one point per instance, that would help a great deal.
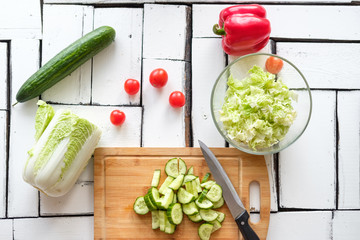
(269, 159)
(24, 62)
(339, 63)
(3, 149)
(292, 21)
(57, 35)
(300, 225)
(163, 125)
(307, 171)
(119, 61)
(98, 1)
(6, 229)
(20, 19)
(346, 225)
(3, 76)
(208, 60)
(165, 31)
(349, 167)
(70, 228)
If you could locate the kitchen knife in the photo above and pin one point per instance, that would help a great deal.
(232, 199)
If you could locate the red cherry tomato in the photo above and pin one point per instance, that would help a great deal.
(158, 78)
(177, 99)
(117, 117)
(274, 65)
(132, 86)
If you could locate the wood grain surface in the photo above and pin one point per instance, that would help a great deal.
(122, 174)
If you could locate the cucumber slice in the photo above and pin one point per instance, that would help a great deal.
(208, 215)
(190, 188)
(202, 195)
(155, 220)
(184, 196)
(221, 217)
(194, 188)
(208, 184)
(156, 178)
(149, 203)
(198, 187)
(182, 166)
(154, 195)
(174, 199)
(216, 225)
(219, 203)
(166, 184)
(190, 171)
(205, 231)
(163, 219)
(168, 198)
(190, 209)
(205, 204)
(177, 182)
(195, 218)
(169, 227)
(174, 213)
(189, 178)
(206, 177)
(140, 206)
(215, 193)
(171, 168)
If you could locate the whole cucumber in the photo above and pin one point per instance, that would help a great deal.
(65, 62)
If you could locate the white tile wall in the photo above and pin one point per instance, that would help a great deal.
(3, 162)
(3, 76)
(346, 225)
(6, 229)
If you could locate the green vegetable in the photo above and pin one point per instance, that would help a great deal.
(62, 151)
(66, 62)
(257, 110)
(44, 114)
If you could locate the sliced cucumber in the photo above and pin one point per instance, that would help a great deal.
(198, 187)
(208, 184)
(205, 231)
(219, 203)
(140, 206)
(190, 188)
(202, 195)
(221, 217)
(190, 209)
(175, 199)
(155, 220)
(190, 171)
(174, 213)
(166, 184)
(194, 188)
(215, 193)
(168, 198)
(195, 218)
(206, 177)
(149, 203)
(154, 195)
(169, 227)
(177, 182)
(156, 178)
(205, 204)
(189, 178)
(184, 196)
(182, 166)
(163, 219)
(171, 168)
(208, 215)
(216, 225)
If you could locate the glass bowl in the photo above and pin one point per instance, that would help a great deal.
(290, 75)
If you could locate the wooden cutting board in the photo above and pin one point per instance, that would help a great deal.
(122, 174)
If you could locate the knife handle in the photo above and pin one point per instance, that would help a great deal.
(243, 223)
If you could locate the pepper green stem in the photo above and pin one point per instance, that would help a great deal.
(218, 30)
(15, 104)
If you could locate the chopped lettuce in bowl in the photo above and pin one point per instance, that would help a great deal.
(257, 110)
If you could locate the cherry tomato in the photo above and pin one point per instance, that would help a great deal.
(117, 117)
(158, 78)
(132, 86)
(274, 65)
(177, 99)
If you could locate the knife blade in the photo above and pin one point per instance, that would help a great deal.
(230, 195)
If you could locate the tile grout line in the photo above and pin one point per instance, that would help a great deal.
(142, 78)
(189, 138)
(8, 126)
(337, 139)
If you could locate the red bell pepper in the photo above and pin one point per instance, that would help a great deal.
(244, 29)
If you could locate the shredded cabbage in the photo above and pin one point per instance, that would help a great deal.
(257, 110)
